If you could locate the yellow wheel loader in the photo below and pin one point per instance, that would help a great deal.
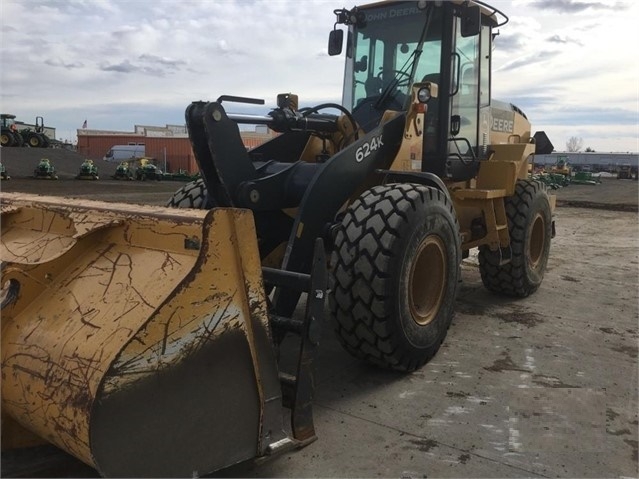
(145, 341)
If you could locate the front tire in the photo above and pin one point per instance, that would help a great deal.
(530, 229)
(191, 195)
(34, 140)
(395, 271)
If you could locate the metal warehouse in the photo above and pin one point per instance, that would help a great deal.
(598, 161)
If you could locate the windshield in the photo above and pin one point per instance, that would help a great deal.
(386, 58)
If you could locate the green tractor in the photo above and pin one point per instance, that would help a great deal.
(45, 170)
(123, 172)
(36, 138)
(3, 173)
(148, 171)
(88, 171)
(11, 136)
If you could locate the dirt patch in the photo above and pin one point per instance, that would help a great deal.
(505, 364)
(138, 192)
(599, 206)
(424, 445)
(520, 316)
(611, 194)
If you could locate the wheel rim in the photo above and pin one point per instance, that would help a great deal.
(537, 241)
(427, 280)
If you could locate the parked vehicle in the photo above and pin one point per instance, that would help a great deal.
(35, 138)
(3, 173)
(123, 171)
(147, 170)
(119, 153)
(88, 171)
(146, 341)
(45, 170)
(624, 173)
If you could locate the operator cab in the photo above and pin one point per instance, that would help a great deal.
(391, 46)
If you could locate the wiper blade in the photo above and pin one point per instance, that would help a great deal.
(409, 65)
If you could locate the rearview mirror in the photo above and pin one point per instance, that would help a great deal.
(335, 42)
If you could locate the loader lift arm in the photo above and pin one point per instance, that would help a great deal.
(267, 183)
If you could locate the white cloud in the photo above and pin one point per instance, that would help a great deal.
(119, 63)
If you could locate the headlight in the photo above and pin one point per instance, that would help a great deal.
(423, 94)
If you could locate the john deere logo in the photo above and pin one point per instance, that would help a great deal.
(503, 121)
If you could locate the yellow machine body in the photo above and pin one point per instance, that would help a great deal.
(140, 339)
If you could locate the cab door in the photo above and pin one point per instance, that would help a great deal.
(469, 101)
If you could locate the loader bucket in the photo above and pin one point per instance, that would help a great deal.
(135, 339)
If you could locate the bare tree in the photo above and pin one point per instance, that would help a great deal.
(574, 144)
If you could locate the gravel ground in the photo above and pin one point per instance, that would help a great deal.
(545, 386)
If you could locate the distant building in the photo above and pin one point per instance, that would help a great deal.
(596, 161)
(169, 144)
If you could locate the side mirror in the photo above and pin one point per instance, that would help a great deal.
(470, 21)
(335, 42)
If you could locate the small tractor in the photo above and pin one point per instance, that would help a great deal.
(145, 341)
(3, 173)
(45, 170)
(561, 167)
(123, 171)
(146, 170)
(88, 171)
(624, 172)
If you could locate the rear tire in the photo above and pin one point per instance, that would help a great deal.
(395, 272)
(530, 229)
(191, 195)
(7, 139)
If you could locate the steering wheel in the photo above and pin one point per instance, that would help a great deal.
(404, 78)
(368, 116)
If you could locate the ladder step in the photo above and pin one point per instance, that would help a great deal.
(287, 279)
(286, 324)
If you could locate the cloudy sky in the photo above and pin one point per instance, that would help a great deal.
(571, 65)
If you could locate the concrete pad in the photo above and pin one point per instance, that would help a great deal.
(542, 386)
(545, 386)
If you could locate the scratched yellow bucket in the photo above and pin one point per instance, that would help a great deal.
(134, 338)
